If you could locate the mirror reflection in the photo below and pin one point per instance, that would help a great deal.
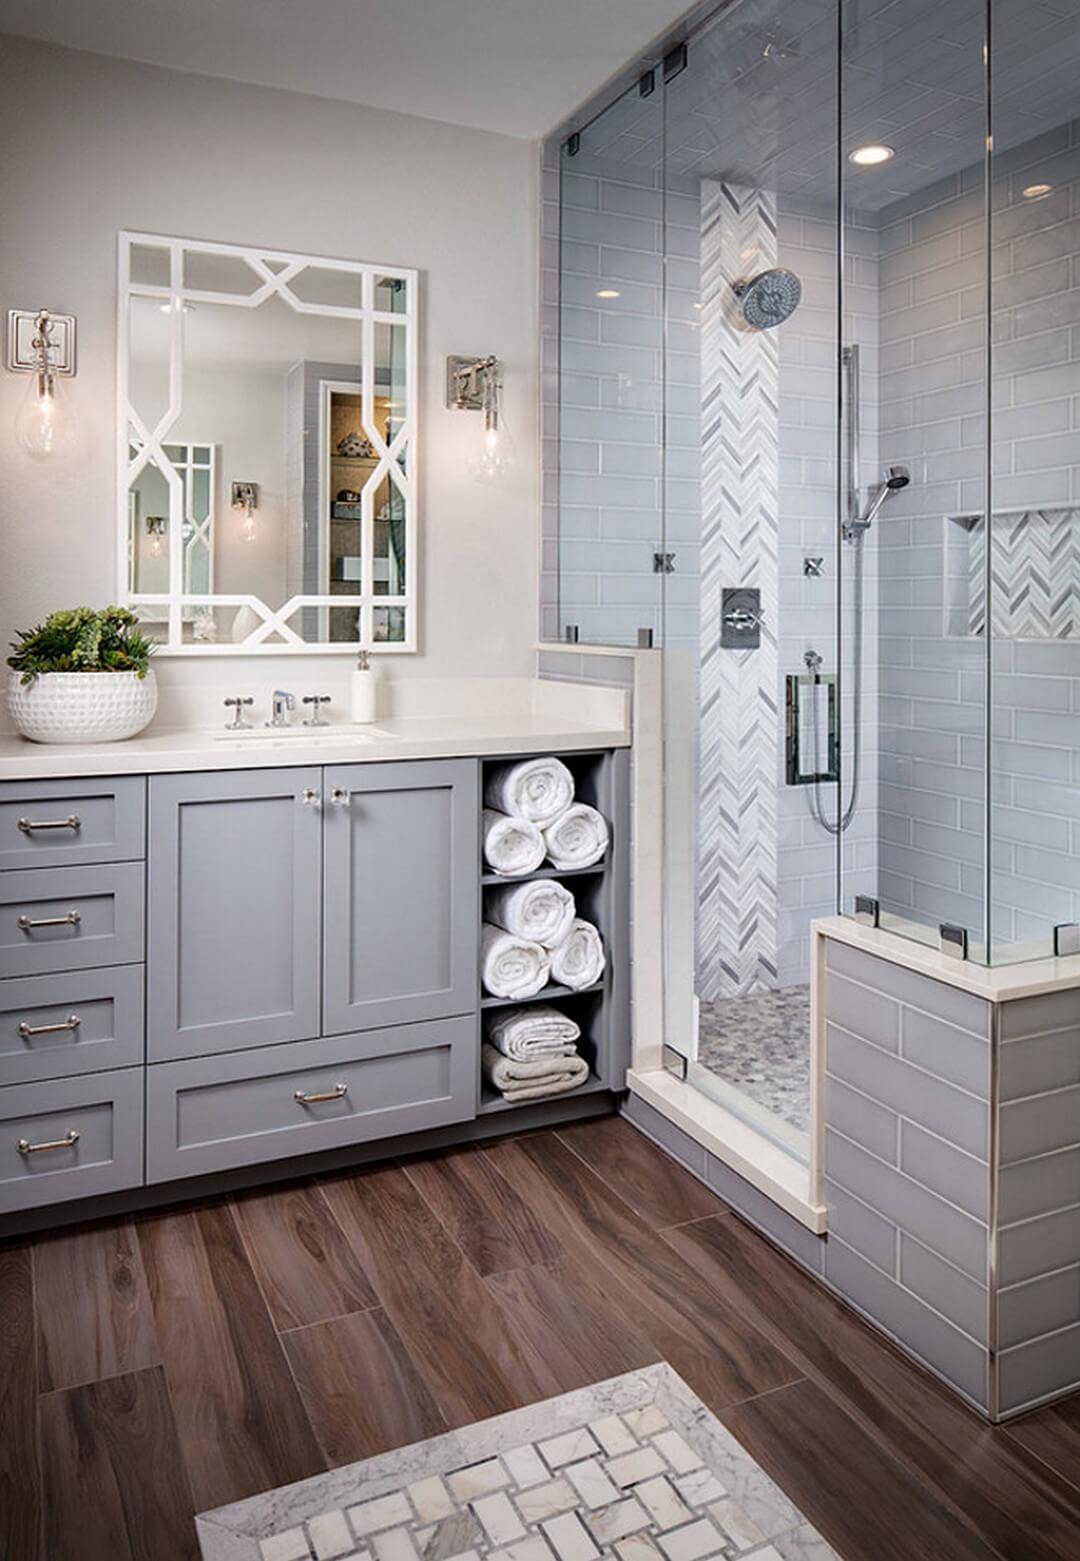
(268, 476)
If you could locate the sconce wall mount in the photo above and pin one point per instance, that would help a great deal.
(28, 330)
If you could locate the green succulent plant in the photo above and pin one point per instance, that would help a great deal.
(82, 639)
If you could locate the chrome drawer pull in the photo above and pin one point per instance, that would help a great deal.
(28, 923)
(72, 1022)
(338, 1092)
(28, 825)
(69, 1140)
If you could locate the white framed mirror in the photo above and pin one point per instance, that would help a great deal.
(266, 448)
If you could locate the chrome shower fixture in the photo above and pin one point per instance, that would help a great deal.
(896, 477)
(768, 299)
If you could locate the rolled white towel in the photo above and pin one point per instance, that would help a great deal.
(536, 789)
(541, 910)
(577, 838)
(539, 1030)
(512, 967)
(579, 960)
(512, 846)
(532, 1080)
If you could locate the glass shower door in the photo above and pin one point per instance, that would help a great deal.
(753, 687)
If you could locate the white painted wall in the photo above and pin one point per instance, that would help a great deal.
(119, 145)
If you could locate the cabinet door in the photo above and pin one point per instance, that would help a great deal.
(401, 918)
(234, 906)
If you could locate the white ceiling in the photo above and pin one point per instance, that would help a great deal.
(516, 66)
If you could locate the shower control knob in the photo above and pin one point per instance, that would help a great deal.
(743, 619)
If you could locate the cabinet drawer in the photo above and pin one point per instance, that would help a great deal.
(78, 1022)
(69, 918)
(88, 1132)
(213, 1113)
(62, 823)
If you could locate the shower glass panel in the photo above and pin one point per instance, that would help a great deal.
(611, 375)
(1032, 548)
(912, 158)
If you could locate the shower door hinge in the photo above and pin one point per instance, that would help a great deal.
(572, 144)
(954, 940)
(674, 62)
(647, 84)
(644, 639)
(674, 1062)
(867, 910)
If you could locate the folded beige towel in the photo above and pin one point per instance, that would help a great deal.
(532, 1080)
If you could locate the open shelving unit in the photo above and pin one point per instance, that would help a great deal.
(602, 893)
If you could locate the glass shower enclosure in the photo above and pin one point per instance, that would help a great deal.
(812, 398)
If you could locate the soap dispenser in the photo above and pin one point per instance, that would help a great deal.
(363, 689)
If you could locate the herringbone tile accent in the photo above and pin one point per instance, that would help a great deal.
(739, 735)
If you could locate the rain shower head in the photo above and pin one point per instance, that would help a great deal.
(769, 298)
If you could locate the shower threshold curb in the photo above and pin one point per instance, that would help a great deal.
(756, 1159)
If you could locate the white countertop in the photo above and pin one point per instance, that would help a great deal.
(994, 983)
(543, 717)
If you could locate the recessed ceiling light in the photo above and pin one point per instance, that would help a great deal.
(608, 292)
(870, 156)
(1037, 192)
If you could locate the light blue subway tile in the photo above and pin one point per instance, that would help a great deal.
(948, 1291)
(958, 1177)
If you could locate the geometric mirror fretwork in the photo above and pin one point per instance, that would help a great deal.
(266, 448)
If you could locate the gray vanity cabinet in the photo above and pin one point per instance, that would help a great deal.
(401, 893)
(235, 870)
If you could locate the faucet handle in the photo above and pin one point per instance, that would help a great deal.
(315, 700)
(238, 724)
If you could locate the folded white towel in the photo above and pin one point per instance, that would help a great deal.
(536, 789)
(579, 960)
(533, 1032)
(512, 967)
(541, 910)
(577, 838)
(511, 845)
(532, 1080)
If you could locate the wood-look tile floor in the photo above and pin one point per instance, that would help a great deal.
(155, 1367)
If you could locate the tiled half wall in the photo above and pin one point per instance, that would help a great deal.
(951, 1175)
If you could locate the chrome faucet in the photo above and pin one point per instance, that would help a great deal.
(281, 702)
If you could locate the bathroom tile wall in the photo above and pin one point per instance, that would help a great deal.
(907, 1146)
(1039, 1198)
(933, 301)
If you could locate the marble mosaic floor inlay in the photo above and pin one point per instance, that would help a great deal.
(633, 1469)
(761, 1045)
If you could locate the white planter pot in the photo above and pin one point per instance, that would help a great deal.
(82, 707)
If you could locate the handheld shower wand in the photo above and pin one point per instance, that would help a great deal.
(896, 477)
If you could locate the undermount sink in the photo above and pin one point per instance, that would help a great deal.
(275, 736)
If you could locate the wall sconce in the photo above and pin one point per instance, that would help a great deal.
(156, 527)
(475, 385)
(43, 345)
(245, 498)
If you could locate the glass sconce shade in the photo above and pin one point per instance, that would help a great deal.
(45, 426)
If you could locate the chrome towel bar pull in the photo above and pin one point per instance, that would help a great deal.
(72, 1022)
(69, 1140)
(338, 1092)
(30, 923)
(29, 825)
